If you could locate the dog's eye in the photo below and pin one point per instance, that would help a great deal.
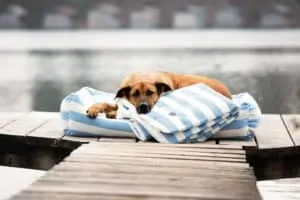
(149, 93)
(136, 94)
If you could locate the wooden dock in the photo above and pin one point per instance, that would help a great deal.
(44, 128)
(147, 171)
(14, 180)
(283, 189)
(124, 168)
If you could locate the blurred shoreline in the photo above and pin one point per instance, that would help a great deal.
(216, 39)
(39, 68)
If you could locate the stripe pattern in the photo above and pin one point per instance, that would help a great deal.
(192, 114)
(76, 123)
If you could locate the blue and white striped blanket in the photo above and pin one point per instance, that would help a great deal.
(191, 114)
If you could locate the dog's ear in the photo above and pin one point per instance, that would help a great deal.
(123, 92)
(162, 87)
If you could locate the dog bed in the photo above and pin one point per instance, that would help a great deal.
(191, 114)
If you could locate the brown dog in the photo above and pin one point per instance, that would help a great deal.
(143, 90)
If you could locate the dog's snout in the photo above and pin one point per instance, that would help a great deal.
(143, 108)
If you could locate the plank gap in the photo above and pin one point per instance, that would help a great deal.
(287, 129)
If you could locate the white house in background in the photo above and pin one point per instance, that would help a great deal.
(228, 16)
(276, 16)
(147, 17)
(61, 17)
(104, 15)
(11, 18)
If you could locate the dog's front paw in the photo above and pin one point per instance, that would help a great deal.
(111, 115)
(95, 109)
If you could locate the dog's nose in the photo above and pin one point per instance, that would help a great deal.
(143, 108)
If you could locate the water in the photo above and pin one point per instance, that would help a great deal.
(35, 77)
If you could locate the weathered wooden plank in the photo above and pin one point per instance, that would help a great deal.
(76, 167)
(206, 157)
(208, 142)
(39, 128)
(241, 191)
(288, 188)
(8, 117)
(178, 171)
(157, 148)
(117, 140)
(51, 129)
(249, 143)
(82, 140)
(292, 123)
(48, 195)
(207, 191)
(151, 176)
(111, 158)
(272, 134)
(207, 171)
(98, 170)
(131, 151)
(13, 180)
(171, 146)
(84, 196)
(161, 161)
(200, 183)
(27, 124)
(167, 151)
(219, 142)
(246, 145)
(155, 151)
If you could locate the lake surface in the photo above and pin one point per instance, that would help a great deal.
(35, 77)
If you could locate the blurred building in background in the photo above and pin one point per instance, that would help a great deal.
(40, 67)
(148, 14)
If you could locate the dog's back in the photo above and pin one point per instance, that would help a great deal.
(176, 80)
(182, 80)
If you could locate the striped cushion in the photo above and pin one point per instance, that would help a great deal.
(73, 112)
(242, 128)
(76, 123)
(190, 114)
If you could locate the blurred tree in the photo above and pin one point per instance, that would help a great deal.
(36, 10)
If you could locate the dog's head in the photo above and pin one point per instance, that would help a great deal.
(143, 95)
